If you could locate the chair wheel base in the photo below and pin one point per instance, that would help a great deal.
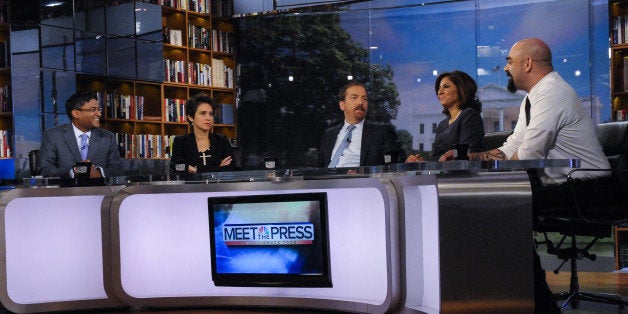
(573, 298)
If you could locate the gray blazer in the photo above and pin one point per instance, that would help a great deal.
(59, 152)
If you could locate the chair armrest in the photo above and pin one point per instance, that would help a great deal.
(570, 175)
(571, 181)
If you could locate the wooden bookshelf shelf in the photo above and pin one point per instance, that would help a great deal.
(621, 247)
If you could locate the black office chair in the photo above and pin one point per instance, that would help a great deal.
(584, 224)
(572, 227)
(590, 216)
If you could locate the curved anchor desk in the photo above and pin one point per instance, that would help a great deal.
(416, 238)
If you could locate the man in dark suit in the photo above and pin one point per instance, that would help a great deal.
(62, 147)
(366, 143)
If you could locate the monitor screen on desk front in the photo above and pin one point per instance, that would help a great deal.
(270, 240)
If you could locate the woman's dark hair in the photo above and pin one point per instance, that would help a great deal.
(77, 100)
(467, 88)
(192, 104)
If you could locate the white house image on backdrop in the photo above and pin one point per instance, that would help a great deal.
(500, 110)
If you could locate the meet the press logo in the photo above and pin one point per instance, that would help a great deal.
(299, 233)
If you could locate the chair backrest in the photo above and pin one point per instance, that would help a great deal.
(614, 138)
(494, 139)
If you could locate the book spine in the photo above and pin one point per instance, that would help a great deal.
(2, 143)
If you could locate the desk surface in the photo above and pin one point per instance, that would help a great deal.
(296, 174)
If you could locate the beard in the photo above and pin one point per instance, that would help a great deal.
(359, 114)
(511, 83)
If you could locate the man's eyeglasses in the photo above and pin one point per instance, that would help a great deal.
(93, 109)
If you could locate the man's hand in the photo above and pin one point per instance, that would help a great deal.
(415, 158)
(448, 155)
(94, 173)
(493, 154)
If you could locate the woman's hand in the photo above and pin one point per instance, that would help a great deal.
(192, 169)
(226, 161)
(414, 158)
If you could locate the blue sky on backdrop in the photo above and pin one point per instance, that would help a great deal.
(417, 39)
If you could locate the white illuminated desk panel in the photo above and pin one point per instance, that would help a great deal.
(161, 247)
(52, 241)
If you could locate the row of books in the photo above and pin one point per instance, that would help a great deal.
(223, 114)
(202, 6)
(200, 74)
(5, 98)
(119, 106)
(178, 71)
(218, 74)
(624, 74)
(620, 29)
(175, 71)
(5, 144)
(222, 41)
(174, 109)
(173, 36)
(143, 145)
(222, 8)
(222, 75)
(199, 37)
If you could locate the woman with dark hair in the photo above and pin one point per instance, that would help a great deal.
(202, 150)
(456, 92)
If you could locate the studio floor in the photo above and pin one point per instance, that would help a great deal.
(600, 282)
(599, 276)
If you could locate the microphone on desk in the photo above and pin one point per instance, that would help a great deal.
(179, 166)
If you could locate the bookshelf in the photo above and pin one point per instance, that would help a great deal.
(198, 56)
(621, 247)
(6, 110)
(618, 15)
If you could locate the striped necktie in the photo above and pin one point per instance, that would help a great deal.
(84, 146)
(343, 145)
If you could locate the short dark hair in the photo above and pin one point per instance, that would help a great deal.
(343, 91)
(467, 89)
(77, 100)
(192, 104)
